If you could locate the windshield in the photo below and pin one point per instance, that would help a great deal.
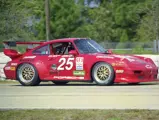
(89, 46)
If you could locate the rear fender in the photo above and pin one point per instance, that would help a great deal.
(13, 54)
(24, 63)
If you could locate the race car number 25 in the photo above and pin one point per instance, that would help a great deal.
(65, 64)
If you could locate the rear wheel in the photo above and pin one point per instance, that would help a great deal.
(103, 74)
(60, 82)
(27, 75)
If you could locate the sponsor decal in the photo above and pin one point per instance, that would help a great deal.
(148, 66)
(65, 63)
(119, 71)
(66, 56)
(78, 73)
(54, 67)
(113, 64)
(53, 55)
(79, 67)
(118, 64)
(68, 77)
(14, 64)
(10, 68)
(105, 57)
(7, 68)
(29, 57)
(60, 55)
(129, 58)
(79, 63)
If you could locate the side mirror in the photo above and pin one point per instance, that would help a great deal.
(73, 52)
(109, 51)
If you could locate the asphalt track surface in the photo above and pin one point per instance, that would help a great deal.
(79, 96)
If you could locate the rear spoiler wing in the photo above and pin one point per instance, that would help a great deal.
(12, 53)
(8, 44)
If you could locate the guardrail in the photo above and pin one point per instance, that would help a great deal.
(3, 60)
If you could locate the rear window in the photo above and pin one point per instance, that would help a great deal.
(42, 50)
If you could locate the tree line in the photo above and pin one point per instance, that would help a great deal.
(112, 20)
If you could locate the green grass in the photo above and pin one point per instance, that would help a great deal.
(134, 51)
(79, 115)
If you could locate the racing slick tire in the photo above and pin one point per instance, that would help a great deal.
(103, 74)
(60, 82)
(27, 75)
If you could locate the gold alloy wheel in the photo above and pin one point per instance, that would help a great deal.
(27, 73)
(103, 73)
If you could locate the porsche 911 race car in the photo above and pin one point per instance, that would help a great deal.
(74, 59)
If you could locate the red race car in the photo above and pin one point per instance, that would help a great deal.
(74, 59)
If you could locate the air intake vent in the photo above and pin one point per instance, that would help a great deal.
(137, 72)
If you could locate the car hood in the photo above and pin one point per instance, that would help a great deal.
(130, 61)
(125, 58)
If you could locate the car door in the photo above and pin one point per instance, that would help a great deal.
(42, 62)
(65, 66)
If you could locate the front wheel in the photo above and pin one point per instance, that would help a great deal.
(103, 73)
(27, 75)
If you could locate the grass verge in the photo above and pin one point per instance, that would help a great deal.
(79, 114)
(133, 52)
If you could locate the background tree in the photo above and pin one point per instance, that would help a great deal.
(65, 19)
(148, 29)
(13, 22)
(111, 20)
(102, 21)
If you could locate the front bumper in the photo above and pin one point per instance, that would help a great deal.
(134, 76)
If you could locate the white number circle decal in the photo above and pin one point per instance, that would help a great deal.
(65, 64)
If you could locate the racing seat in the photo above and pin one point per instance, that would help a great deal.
(70, 47)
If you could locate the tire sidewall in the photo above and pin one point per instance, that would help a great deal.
(109, 80)
(34, 81)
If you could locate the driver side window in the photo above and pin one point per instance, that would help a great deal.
(62, 48)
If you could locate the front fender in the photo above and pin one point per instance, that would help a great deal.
(146, 59)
